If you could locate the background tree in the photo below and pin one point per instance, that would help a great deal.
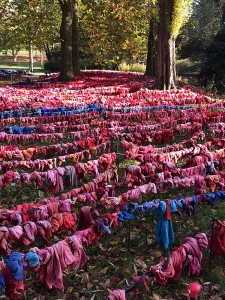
(112, 32)
(212, 75)
(30, 24)
(200, 30)
(152, 35)
(172, 15)
(66, 30)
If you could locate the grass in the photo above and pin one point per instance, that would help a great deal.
(20, 65)
(137, 67)
(112, 266)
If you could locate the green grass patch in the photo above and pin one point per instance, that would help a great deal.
(137, 67)
(20, 65)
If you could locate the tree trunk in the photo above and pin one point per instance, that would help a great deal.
(48, 52)
(165, 55)
(15, 52)
(150, 64)
(75, 41)
(66, 65)
(41, 59)
(31, 58)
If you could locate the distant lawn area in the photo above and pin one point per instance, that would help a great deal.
(20, 65)
(6, 61)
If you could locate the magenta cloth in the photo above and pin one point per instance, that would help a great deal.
(5, 246)
(44, 229)
(30, 231)
(78, 252)
(174, 268)
(194, 255)
(54, 260)
(202, 240)
(15, 232)
(65, 205)
(86, 219)
(54, 180)
(117, 295)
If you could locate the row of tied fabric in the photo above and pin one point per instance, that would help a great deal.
(205, 113)
(114, 132)
(58, 98)
(170, 267)
(155, 171)
(40, 260)
(10, 133)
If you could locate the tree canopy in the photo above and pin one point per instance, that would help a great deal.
(104, 33)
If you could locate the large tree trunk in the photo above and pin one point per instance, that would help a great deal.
(66, 68)
(150, 64)
(75, 41)
(165, 55)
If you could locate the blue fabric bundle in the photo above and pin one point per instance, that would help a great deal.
(2, 282)
(32, 259)
(14, 263)
(123, 215)
(164, 228)
(220, 195)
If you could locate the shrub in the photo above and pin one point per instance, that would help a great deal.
(52, 66)
(136, 67)
(212, 75)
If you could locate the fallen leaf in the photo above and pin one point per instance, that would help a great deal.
(141, 263)
(113, 243)
(128, 271)
(85, 277)
(184, 292)
(155, 297)
(206, 288)
(216, 287)
(207, 283)
(135, 269)
(89, 285)
(104, 270)
(105, 284)
(150, 241)
(156, 253)
(93, 297)
(69, 290)
(91, 267)
(115, 279)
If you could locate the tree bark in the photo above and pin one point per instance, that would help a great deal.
(31, 57)
(14, 54)
(41, 59)
(66, 65)
(48, 52)
(75, 41)
(150, 64)
(165, 55)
